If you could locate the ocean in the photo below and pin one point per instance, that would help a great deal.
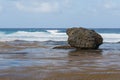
(111, 35)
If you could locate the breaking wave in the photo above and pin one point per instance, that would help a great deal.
(34, 36)
(54, 35)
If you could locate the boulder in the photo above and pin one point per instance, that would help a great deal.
(82, 38)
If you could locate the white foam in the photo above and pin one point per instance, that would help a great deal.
(33, 36)
(53, 31)
(53, 35)
(111, 37)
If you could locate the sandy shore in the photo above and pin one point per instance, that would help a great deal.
(35, 73)
(41, 62)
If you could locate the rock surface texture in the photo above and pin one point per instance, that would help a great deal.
(82, 38)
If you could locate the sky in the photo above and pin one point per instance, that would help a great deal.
(59, 13)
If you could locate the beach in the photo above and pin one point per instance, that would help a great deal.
(40, 61)
(30, 56)
(59, 39)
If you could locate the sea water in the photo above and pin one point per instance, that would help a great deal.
(111, 35)
(30, 63)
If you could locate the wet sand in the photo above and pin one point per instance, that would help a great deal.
(34, 73)
(41, 62)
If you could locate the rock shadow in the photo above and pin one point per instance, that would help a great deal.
(85, 52)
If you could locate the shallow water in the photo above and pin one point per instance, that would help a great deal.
(44, 63)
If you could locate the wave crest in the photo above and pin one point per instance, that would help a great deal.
(53, 35)
(112, 37)
(34, 36)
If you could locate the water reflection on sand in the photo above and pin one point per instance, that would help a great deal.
(51, 64)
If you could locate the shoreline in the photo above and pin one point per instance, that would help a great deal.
(42, 62)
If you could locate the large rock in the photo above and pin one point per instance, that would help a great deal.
(82, 38)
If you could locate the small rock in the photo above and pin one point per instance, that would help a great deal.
(63, 47)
